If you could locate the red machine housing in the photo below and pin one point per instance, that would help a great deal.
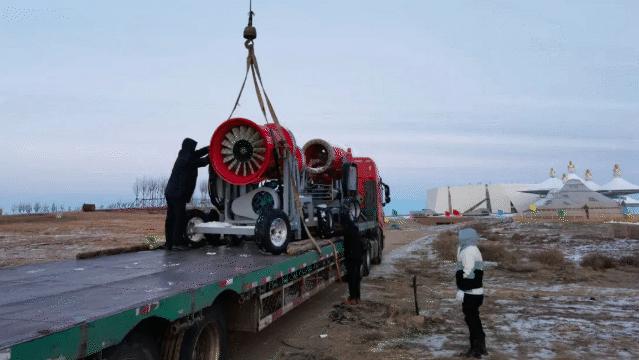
(242, 152)
(324, 160)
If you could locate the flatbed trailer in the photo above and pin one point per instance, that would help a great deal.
(85, 308)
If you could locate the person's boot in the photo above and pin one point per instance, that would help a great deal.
(481, 346)
(470, 351)
(473, 351)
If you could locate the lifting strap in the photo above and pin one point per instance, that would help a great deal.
(251, 65)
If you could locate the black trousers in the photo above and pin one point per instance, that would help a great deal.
(354, 277)
(174, 224)
(470, 307)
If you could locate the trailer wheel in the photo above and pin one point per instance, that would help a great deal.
(193, 218)
(273, 231)
(206, 340)
(136, 347)
(366, 263)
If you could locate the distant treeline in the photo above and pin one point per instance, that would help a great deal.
(148, 192)
(40, 208)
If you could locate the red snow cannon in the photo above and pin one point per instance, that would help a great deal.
(241, 151)
(324, 158)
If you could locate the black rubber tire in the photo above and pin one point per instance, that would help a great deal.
(263, 230)
(135, 347)
(380, 248)
(214, 316)
(366, 261)
(190, 214)
(325, 223)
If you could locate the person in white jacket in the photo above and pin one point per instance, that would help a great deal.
(469, 278)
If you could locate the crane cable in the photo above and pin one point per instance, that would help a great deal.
(250, 33)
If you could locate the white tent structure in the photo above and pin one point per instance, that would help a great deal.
(588, 181)
(572, 174)
(575, 199)
(547, 185)
(618, 185)
(507, 198)
(575, 195)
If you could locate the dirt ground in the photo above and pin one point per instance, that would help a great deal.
(41, 238)
(540, 302)
(538, 311)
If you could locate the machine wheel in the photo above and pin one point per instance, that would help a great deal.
(325, 223)
(366, 263)
(351, 209)
(193, 218)
(136, 347)
(273, 231)
(206, 340)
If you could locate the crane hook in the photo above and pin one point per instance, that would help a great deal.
(250, 33)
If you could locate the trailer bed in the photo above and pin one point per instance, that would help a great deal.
(48, 299)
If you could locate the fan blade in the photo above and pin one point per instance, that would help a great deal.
(228, 158)
(259, 150)
(236, 132)
(227, 151)
(257, 165)
(254, 135)
(230, 137)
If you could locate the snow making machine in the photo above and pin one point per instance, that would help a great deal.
(264, 187)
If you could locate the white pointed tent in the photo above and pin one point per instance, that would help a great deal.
(575, 195)
(618, 185)
(547, 185)
(572, 175)
(588, 181)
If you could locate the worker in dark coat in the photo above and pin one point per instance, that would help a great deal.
(180, 188)
(353, 255)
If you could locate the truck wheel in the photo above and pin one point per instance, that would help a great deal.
(366, 264)
(136, 347)
(193, 218)
(380, 248)
(273, 231)
(206, 340)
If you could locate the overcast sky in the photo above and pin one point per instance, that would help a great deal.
(94, 94)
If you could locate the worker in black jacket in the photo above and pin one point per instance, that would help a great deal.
(180, 187)
(353, 254)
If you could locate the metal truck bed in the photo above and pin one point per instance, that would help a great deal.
(52, 298)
